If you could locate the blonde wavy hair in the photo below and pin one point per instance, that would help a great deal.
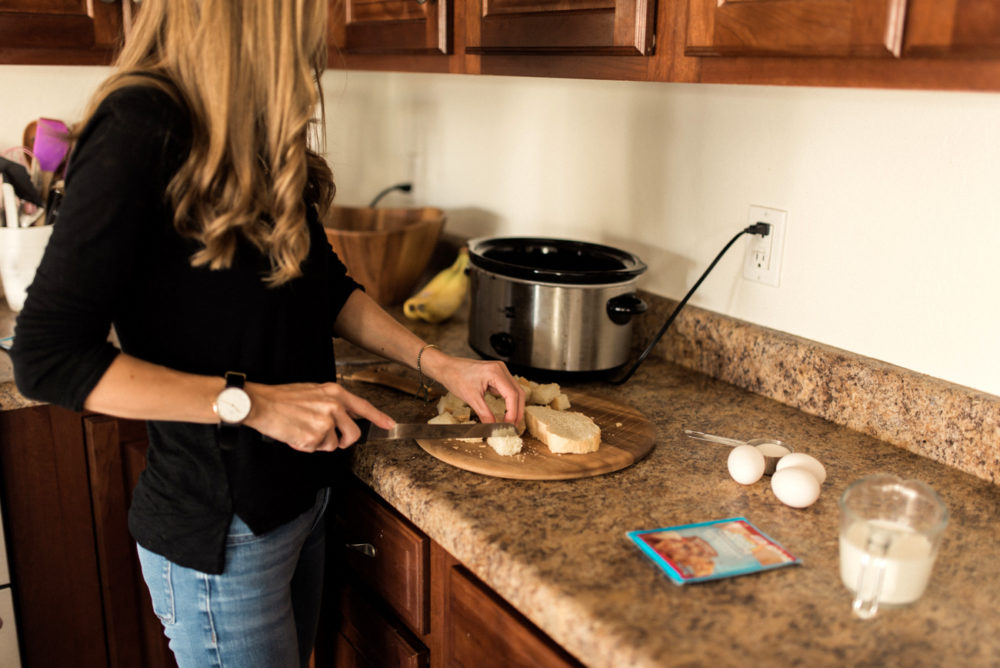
(249, 73)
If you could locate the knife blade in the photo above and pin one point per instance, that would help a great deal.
(414, 430)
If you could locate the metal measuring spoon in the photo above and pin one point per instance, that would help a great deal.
(771, 455)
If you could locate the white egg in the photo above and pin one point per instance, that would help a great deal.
(795, 486)
(802, 460)
(746, 464)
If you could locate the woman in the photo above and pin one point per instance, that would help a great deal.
(190, 222)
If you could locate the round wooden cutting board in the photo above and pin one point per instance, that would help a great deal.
(626, 437)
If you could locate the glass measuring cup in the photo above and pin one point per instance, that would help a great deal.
(890, 530)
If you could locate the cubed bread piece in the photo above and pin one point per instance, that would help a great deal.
(496, 405)
(450, 403)
(444, 418)
(449, 418)
(527, 385)
(505, 442)
(563, 431)
(543, 395)
(560, 403)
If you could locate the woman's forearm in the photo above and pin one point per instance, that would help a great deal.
(365, 324)
(133, 388)
(306, 416)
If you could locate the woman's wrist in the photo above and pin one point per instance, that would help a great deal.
(431, 363)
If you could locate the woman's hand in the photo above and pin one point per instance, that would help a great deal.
(471, 379)
(365, 324)
(306, 416)
(310, 416)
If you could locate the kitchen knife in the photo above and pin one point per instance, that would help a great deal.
(414, 430)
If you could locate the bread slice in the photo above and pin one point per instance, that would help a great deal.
(564, 432)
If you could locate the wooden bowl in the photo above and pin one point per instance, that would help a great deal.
(385, 250)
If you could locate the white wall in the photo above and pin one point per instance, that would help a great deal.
(892, 196)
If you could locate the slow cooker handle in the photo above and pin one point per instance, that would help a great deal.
(621, 308)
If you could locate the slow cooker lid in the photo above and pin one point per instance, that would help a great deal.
(554, 260)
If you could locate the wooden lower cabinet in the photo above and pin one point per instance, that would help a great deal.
(67, 480)
(482, 629)
(394, 597)
(369, 635)
(397, 598)
(116, 454)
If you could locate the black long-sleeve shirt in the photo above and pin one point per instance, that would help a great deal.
(114, 258)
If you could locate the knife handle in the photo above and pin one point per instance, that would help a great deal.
(365, 426)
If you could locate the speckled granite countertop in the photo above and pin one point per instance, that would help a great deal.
(557, 551)
(10, 398)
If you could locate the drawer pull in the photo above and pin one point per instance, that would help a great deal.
(366, 549)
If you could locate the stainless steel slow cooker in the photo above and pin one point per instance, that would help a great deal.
(552, 304)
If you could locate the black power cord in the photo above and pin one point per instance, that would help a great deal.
(404, 187)
(763, 229)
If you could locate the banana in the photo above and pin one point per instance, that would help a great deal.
(443, 295)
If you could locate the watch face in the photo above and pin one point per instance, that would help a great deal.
(233, 405)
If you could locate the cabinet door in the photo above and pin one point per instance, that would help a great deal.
(50, 538)
(370, 636)
(116, 455)
(365, 27)
(595, 27)
(61, 31)
(953, 28)
(860, 28)
(388, 553)
(482, 630)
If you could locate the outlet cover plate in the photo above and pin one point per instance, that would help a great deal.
(762, 262)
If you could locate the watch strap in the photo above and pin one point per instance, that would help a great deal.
(235, 379)
(229, 433)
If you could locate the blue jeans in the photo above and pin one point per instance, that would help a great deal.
(262, 610)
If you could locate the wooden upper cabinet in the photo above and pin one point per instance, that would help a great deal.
(63, 32)
(967, 28)
(402, 27)
(591, 27)
(857, 28)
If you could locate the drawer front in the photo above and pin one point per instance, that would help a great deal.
(388, 554)
(482, 630)
(369, 637)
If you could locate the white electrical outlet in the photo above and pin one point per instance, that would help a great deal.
(762, 262)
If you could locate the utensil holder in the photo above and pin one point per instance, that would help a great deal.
(21, 250)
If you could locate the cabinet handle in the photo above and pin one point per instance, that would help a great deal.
(366, 549)
(421, 2)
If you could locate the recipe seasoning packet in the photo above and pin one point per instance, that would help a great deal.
(711, 550)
